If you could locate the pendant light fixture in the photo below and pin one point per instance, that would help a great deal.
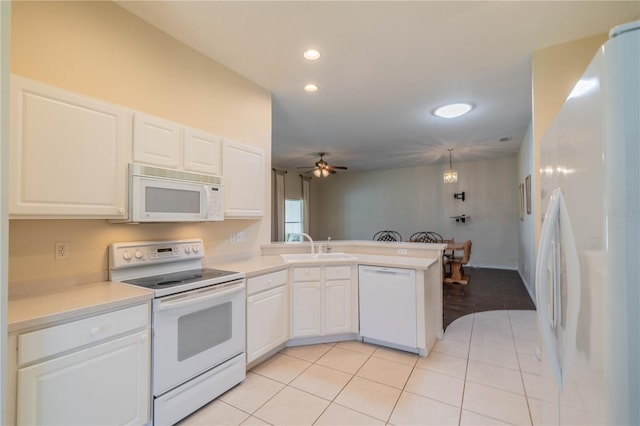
(450, 176)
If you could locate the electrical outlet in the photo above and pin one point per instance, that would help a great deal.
(62, 250)
(240, 237)
(402, 251)
(232, 238)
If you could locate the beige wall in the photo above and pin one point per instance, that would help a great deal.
(101, 50)
(355, 205)
(556, 70)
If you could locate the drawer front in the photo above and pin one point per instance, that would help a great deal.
(50, 341)
(264, 282)
(306, 274)
(337, 272)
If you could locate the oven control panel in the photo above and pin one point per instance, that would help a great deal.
(123, 255)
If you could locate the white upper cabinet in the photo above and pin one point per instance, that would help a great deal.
(68, 154)
(164, 143)
(244, 180)
(202, 152)
(156, 141)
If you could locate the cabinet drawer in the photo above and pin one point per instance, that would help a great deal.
(266, 281)
(337, 272)
(53, 340)
(306, 274)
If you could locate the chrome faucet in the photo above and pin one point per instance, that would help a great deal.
(302, 234)
(328, 247)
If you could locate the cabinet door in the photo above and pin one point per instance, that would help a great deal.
(307, 313)
(337, 306)
(68, 154)
(267, 321)
(156, 141)
(243, 172)
(104, 384)
(202, 152)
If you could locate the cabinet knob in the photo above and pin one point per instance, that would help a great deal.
(120, 210)
(95, 331)
(269, 282)
(143, 337)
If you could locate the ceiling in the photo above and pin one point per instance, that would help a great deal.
(385, 66)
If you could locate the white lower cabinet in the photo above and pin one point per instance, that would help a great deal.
(106, 381)
(267, 313)
(307, 309)
(337, 312)
(322, 301)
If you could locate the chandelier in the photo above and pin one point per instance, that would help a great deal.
(450, 176)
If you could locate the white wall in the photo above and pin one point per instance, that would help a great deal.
(527, 227)
(5, 25)
(355, 205)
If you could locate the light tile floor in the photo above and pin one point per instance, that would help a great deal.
(484, 372)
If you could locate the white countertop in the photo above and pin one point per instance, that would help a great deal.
(41, 310)
(258, 265)
(45, 309)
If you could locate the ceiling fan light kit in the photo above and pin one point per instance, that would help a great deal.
(322, 168)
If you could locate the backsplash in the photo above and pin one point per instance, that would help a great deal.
(32, 261)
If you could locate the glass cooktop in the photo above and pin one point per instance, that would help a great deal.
(162, 281)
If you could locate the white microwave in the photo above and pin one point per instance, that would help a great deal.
(163, 195)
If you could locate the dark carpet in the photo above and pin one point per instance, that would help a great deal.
(488, 289)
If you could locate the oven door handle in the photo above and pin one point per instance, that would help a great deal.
(179, 300)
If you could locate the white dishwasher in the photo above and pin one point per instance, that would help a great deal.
(388, 306)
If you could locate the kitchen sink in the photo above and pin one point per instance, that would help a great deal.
(306, 257)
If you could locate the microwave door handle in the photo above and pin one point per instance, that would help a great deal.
(207, 203)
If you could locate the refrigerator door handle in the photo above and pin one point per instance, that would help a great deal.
(544, 250)
(557, 211)
(572, 279)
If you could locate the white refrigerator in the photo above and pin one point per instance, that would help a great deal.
(588, 263)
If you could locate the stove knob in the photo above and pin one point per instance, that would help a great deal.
(139, 254)
(196, 249)
(187, 249)
(126, 255)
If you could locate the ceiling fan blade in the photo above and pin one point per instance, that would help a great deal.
(305, 167)
(339, 167)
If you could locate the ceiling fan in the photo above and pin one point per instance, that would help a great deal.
(322, 168)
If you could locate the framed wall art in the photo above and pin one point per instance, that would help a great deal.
(527, 183)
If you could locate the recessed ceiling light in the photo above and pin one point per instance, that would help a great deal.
(311, 87)
(452, 110)
(311, 54)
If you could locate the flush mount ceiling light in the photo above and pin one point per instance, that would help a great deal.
(452, 110)
(311, 87)
(311, 54)
(450, 176)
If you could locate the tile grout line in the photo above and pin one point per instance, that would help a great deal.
(333, 401)
(464, 384)
(524, 388)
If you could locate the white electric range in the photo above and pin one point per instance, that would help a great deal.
(198, 349)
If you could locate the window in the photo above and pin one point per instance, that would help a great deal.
(293, 222)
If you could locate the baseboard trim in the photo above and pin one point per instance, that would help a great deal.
(526, 285)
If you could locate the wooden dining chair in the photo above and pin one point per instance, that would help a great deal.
(456, 265)
(387, 236)
(426, 237)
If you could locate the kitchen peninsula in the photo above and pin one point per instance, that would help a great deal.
(314, 299)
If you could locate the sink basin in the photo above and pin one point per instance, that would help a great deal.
(306, 257)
